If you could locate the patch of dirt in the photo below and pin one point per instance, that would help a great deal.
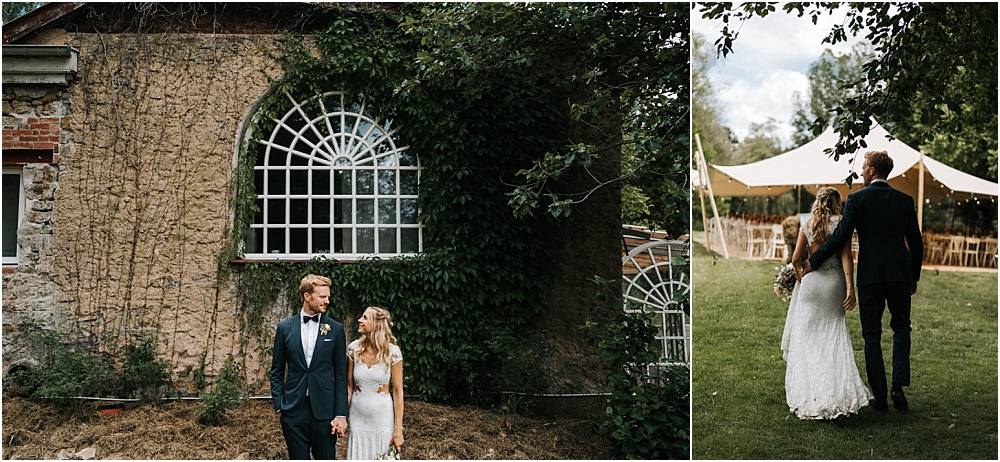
(169, 430)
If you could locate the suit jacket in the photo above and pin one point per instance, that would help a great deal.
(325, 377)
(886, 222)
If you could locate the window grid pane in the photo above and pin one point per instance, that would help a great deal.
(334, 183)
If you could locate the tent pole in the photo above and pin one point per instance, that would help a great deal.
(920, 194)
(798, 208)
(703, 166)
(704, 217)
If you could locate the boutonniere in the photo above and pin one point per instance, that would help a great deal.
(324, 328)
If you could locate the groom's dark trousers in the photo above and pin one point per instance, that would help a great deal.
(890, 254)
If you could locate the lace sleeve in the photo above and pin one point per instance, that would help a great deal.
(352, 350)
(395, 355)
(834, 222)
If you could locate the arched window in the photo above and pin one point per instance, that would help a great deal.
(334, 180)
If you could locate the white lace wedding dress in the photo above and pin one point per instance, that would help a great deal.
(821, 379)
(371, 420)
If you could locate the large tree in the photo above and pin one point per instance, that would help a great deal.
(833, 79)
(624, 71)
(717, 140)
(934, 73)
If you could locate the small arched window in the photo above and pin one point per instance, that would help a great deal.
(333, 180)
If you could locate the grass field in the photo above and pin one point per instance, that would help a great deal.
(738, 398)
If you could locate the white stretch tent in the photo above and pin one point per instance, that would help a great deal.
(809, 167)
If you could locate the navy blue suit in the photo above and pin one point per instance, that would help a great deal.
(305, 420)
(890, 254)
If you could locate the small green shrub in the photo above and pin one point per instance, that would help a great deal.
(143, 373)
(68, 368)
(200, 382)
(648, 414)
(228, 394)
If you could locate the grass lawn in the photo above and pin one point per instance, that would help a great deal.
(738, 375)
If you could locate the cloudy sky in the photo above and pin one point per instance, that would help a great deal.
(770, 62)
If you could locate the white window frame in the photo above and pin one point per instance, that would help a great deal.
(345, 138)
(19, 171)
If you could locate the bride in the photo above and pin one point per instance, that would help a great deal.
(821, 377)
(374, 360)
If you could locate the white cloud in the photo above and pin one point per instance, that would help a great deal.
(749, 101)
(770, 61)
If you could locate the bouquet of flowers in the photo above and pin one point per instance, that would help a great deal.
(784, 282)
(391, 454)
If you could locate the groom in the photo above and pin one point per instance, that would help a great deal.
(313, 350)
(887, 271)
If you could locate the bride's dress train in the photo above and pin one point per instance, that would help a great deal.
(821, 379)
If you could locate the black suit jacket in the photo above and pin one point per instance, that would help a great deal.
(326, 376)
(886, 222)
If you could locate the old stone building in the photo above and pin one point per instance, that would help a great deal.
(123, 126)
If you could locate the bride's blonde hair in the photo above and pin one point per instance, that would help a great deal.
(380, 337)
(827, 205)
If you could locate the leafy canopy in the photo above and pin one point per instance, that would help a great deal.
(14, 10)
(934, 72)
(624, 67)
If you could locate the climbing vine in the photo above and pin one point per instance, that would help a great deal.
(460, 308)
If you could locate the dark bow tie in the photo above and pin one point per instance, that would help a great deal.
(310, 318)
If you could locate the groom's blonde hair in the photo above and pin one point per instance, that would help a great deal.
(880, 161)
(311, 282)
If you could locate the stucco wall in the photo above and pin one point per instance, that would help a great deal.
(141, 210)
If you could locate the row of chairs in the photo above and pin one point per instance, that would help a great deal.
(760, 241)
(941, 249)
(766, 241)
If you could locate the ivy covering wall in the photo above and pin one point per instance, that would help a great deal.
(463, 309)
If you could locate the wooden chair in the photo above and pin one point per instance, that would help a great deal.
(934, 248)
(956, 246)
(777, 243)
(989, 254)
(971, 252)
(755, 240)
(736, 230)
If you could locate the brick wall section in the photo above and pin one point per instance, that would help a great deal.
(32, 121)
(36, 133)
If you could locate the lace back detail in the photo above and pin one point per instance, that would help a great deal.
(834, 261)
(807, 227)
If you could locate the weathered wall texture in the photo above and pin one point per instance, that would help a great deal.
(142, 205)
(32, 117)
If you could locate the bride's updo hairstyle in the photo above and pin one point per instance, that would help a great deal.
(827, 205)
(380, 337)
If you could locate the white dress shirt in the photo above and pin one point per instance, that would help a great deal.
(309, 331)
